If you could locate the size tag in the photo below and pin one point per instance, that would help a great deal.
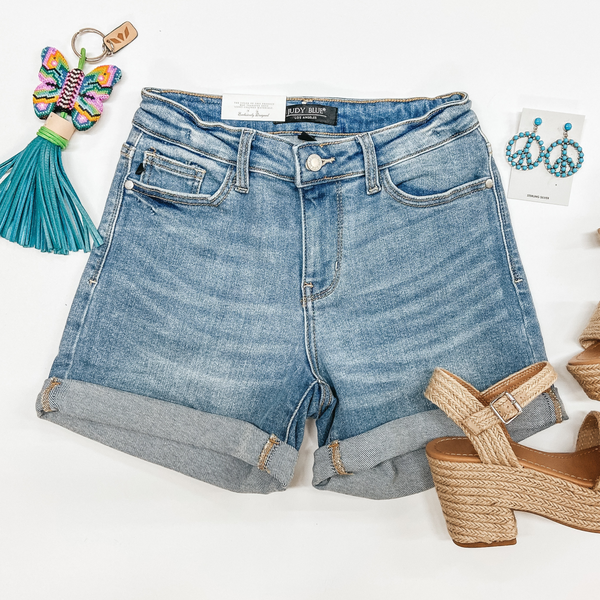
(315, 113)
(537, 184)
(120, 37)
(250, 107)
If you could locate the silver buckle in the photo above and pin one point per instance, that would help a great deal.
(512, 401)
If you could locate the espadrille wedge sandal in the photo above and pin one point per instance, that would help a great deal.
(483, 478)
(585, 367)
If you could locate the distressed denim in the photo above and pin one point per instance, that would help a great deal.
(241, 290)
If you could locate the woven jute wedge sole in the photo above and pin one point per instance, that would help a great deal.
(481, 479)
(478, 501)
(585, 367)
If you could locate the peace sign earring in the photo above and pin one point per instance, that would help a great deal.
(564, 166)
(521, 159)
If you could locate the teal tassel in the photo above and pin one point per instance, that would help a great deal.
(38, 206)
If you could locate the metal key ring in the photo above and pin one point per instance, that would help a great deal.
(107, 51)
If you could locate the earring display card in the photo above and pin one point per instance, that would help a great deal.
(538, 184)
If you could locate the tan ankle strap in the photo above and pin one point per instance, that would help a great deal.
(591, 333)
(482, 415)
(589, 436)
(589, 432)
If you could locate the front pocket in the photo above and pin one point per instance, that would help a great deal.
(433, 199)
(178, 197)
(451, 170)
(166, 173)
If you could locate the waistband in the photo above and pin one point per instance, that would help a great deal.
(369, 134)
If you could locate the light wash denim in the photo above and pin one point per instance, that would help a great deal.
(239, 292)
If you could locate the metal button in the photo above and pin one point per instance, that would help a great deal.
(489, 183)
(129, 185)
(314, 162)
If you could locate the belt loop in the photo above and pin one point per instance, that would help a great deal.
(371, 168)
(243, 161)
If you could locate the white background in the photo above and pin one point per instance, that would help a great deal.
(82, 521)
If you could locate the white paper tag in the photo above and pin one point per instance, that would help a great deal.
(538, 184)
(251, 107)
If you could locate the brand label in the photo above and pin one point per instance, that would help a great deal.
(120, 37)
(250, 107)
(315, 113)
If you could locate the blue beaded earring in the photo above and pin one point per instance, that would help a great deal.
(564, 166)
(521, 159)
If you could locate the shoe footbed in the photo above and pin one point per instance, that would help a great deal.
(590, 356)
(582, 467)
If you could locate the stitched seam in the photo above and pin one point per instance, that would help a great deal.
(112, 224)
(589, 434)
(330, 178)
(93, 280)
(326, 396)
(329, 396)
(314, 345)
(220, 195)
(555, 456)
(207, 154)
(307, 335)
(364, 145)
(287, 432)
(557, 409)
(371, 169)
(376, 131)
(336, 458)
(243, 160)
(263, 459)
(146, 92)
(467, 187)
(340, 244)
(162, 197)
(375, 168)
(153, 133)
(524, 460)
(426, 117)
(516, 277)
(165, 164)
(466, 191)
(502, 217)
(323, 385)
(272, 173)
(567, 454)
(259, 133)
(46, 406)
(521, 378)
(432, 147)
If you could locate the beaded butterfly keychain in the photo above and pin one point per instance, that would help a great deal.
(38, 206)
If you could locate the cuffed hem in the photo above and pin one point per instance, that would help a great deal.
(223, 451)
(389, 461)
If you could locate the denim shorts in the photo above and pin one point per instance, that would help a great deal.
(255, 274)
